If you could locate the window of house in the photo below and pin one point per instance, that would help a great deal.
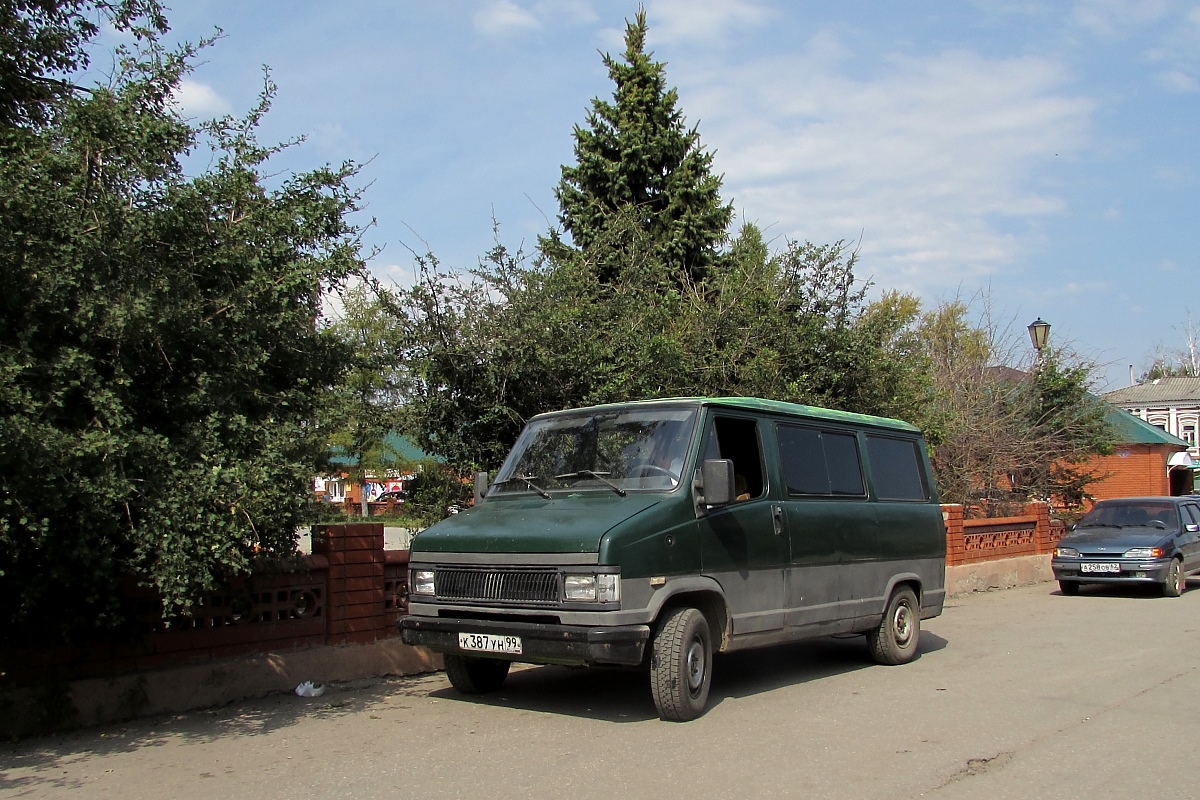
(896, 469)
(1189, 435)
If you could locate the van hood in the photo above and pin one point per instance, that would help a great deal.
(571, 523)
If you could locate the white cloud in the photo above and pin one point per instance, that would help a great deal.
(502, 18)
(1117, 17)
(195, 99)
(578, 11)
(928, 162)
(709, 21)
(1178, 81)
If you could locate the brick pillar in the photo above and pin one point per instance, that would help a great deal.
(956, 545)
(1045, 541)
(356, 598)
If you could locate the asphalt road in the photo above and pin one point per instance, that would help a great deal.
(1017, 694)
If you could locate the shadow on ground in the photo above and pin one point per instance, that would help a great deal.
(623, 694)
(41, 761)
(1140, 591)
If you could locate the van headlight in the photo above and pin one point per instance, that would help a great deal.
(592, 588)
(421, 582)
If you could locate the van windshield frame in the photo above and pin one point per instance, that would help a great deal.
(604, 450)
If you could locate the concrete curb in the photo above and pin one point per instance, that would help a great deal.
(93, 701)
(1004, 573)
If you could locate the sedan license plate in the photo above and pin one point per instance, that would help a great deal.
(488, 643)
(1100, 566)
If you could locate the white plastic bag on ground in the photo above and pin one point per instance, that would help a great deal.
(307, 689)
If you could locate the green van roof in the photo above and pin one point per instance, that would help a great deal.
(767, 406)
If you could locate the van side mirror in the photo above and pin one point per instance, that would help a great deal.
(481, 486)
(717, 482)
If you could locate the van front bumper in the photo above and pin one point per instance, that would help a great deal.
(541, 643)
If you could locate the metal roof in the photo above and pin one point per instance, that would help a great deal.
(768, 406)
(1161, 391)
(1128, 429)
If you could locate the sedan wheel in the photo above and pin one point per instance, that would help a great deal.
(1176, 582)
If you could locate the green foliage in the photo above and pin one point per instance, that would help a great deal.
(365, 408)
(41, 41)
(1000, 435)
(637, 162)
(433, 491)
(521, 338)
(160, 363)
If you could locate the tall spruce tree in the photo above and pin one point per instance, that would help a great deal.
(635, 158)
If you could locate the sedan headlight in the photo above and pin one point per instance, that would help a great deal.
(1066, 552)
(421, 582)
(591, 588)
(1144, 552)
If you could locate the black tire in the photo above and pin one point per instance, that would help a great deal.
(1176, 582)
(681, 665)
(475, 675)
(1069, 588)
(894, 641)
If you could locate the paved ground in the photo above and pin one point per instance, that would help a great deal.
(1017, 694)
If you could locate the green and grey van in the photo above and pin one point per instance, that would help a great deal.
(656, 533)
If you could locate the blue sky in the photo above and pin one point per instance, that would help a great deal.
(1044, 152)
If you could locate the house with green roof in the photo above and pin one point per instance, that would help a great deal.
(401, 457)
(1146, 460)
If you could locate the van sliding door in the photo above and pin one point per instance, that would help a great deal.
(830, 523)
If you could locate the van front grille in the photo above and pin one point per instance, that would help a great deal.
(503, 585)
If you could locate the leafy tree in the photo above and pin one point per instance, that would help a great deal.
(1001, 435)
(1181, 362)
(636, 161)
(365, 409)
(43, 40)
(519, 338)
(160, 360)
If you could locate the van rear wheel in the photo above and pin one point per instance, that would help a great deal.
(894, 640)
(475, 675)
(681, 665)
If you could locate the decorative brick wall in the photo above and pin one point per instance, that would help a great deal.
(350, 590)
(975, 540)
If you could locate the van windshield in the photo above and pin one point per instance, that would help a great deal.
(608, 451)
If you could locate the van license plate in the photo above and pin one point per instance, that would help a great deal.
(487, 643)
(1100, 567)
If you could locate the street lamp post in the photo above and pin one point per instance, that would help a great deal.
(1039, 334)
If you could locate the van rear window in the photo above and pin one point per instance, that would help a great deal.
(896, 469)
(819, 462)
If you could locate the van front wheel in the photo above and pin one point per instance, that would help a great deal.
(681, 665)
(894, 640)
(475, 675)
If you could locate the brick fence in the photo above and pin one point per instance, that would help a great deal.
(976, 540)
(352, 591)
(349, 591)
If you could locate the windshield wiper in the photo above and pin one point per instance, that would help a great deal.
(587, 473)
(528, 482)
(1100, 525)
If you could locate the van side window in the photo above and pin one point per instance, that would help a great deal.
(896, 469)
(737, 440)
(820, 462)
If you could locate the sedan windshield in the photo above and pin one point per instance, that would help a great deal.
(1140, 514)
(607, 451)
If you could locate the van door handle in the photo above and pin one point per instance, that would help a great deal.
(777, 518)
